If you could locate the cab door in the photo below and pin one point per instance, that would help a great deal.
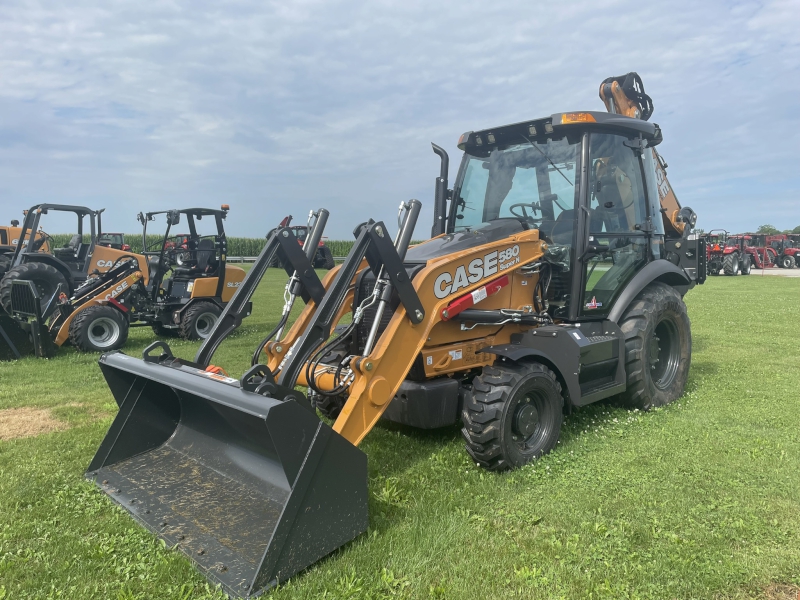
(623, 234)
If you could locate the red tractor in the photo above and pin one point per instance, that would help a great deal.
(715, 246)
(743, 251)
(786, 249)
(323, 259)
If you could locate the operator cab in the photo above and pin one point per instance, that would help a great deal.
(602, 221)
(186, 257)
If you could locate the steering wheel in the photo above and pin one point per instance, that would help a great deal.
(38, 243)
(524, 206)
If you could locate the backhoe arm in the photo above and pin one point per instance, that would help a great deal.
(624, 95)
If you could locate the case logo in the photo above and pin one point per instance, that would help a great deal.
(479, 268)
(117, 290)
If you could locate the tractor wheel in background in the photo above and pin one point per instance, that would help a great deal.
(160, 330)
(658, 347)
(45, 277)
(786, 261)
(730, 265)
(329, 406)
(746, 266)
(5, 264)
(199, 320)
(713, 268)
(327, 258)
(512, 415)
(98, 329)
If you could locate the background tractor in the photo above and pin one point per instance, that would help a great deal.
(715, 250)
(787, 252)
(742, 254)
(323, 257)
(554, 278)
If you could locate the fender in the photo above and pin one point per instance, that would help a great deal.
(559, 363)
(182, 309)
(658, 270)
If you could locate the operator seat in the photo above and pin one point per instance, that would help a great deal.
(205, 262)
(70, 251)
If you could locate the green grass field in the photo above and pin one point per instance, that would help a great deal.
(700, 499)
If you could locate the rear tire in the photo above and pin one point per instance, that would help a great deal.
(786, 261)
(98, 329)
(198, 320)
(512, 415)
(658, 347)
(730, 265)
(746, 266)
(46, 278)
(327, 258)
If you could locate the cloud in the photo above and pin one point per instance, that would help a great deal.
(280, 107)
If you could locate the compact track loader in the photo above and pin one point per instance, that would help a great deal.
(553, 278)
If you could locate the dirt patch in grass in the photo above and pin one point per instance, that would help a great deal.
(25, 422)
(777, 591)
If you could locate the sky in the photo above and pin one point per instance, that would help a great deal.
(276, 108)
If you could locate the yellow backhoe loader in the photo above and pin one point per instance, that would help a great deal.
(554, 277)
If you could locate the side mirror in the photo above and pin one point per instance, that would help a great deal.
(173, 217)
(140, 217)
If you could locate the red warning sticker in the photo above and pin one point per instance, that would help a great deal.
(594, 303)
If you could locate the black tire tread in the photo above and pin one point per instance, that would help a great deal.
(634, 324)
(188, 318)
(483, 409)
(77, 329)
(329, 406)
(328, 262)
(728, 263)
(27, 271)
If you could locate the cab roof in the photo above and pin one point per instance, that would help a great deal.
(558, 124)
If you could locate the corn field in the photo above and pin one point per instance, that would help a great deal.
(237, 246)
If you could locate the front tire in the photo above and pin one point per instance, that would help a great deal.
(46, 278)
(658, 347)
(199, 320)
(98, 329)
(730, 265)
(512, 415)
(786, 261)
(746, 266)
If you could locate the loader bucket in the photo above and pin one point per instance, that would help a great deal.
(250, 488)
(14, 340)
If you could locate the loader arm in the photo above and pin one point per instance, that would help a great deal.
(625, 95)
(377, 376)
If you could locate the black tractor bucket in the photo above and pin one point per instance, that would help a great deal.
(250, 488)
(14, 340)
(24, 332)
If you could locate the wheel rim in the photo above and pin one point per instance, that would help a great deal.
(103, 332)
(665, 353)
(529, 421)
(204, 324)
